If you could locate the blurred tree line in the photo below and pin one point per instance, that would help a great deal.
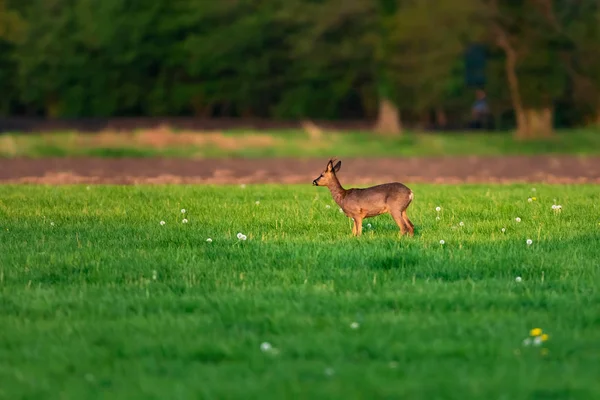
(395, 61)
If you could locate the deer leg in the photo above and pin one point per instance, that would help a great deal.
(358, 222)
(353, 227)
(397, 215)
(409, 224)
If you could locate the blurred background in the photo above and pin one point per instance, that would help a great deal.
(522, 69)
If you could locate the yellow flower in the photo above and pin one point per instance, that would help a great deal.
(533, 198)
(544, 352)
(535, 332)
(544, 337)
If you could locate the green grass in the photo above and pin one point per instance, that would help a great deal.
(269, 144)
(83, 317)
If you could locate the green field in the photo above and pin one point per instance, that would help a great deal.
(99, 300)
(268, 144)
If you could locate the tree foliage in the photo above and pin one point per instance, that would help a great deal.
(326, 59)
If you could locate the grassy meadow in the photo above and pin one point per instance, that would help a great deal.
(291, 143)
(101, 300)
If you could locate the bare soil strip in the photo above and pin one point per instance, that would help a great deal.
(549, 169)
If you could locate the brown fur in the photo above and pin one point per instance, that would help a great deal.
(393, 198)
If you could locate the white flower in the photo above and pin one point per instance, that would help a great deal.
(503, 230)
(162, 222)
(537, 341)
(243, 237)
(437, 218)
(184, 221)
(438, 209)
(327, 206)
(442, 241)
(51, 223)
(518, 279)
(556, 207)
(265, 346)
(461, 223)
(183, 210)
(369, 226)
(518, 219)
(354, 325)
(529, 242)
(239, 235)
(154, 275)
(257, 202)
(527, 342)
(209, 240)
(533, 189)
(530, 199)
(341, 210)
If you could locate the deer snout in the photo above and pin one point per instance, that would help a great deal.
(315, 183)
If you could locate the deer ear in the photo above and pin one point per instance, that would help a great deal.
(329, 166)
(337, 166)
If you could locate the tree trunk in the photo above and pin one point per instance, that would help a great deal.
(539, 122)
(388, 118)
(441, 119)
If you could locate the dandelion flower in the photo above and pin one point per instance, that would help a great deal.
(184, 221)
(328, 206)
(544, 337)
(535, 332)
(518, 219)
(533, 189)
(341, 210)
(265, 346)
(354, 325)
(529, 242)
(239, 235)
(537, 340)
(442, 241)
(503, 230)
(527, 342)
(154, 275)
(162, 222)
(51, 223)
(530, 200)
(534, 198)
(257, 202)
(518, 279)
(183, 210)
(209, 240)
(461, 223)
(369, 226)
(243, 237)
(438, 209)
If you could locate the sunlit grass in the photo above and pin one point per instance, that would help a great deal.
(292, 143)
(99, 299)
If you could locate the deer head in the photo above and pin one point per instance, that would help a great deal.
(328, 175)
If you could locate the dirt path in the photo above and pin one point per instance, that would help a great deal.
(551, 169)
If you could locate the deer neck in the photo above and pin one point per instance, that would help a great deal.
(337, 191)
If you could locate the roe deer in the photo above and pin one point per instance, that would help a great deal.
(393, 198)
